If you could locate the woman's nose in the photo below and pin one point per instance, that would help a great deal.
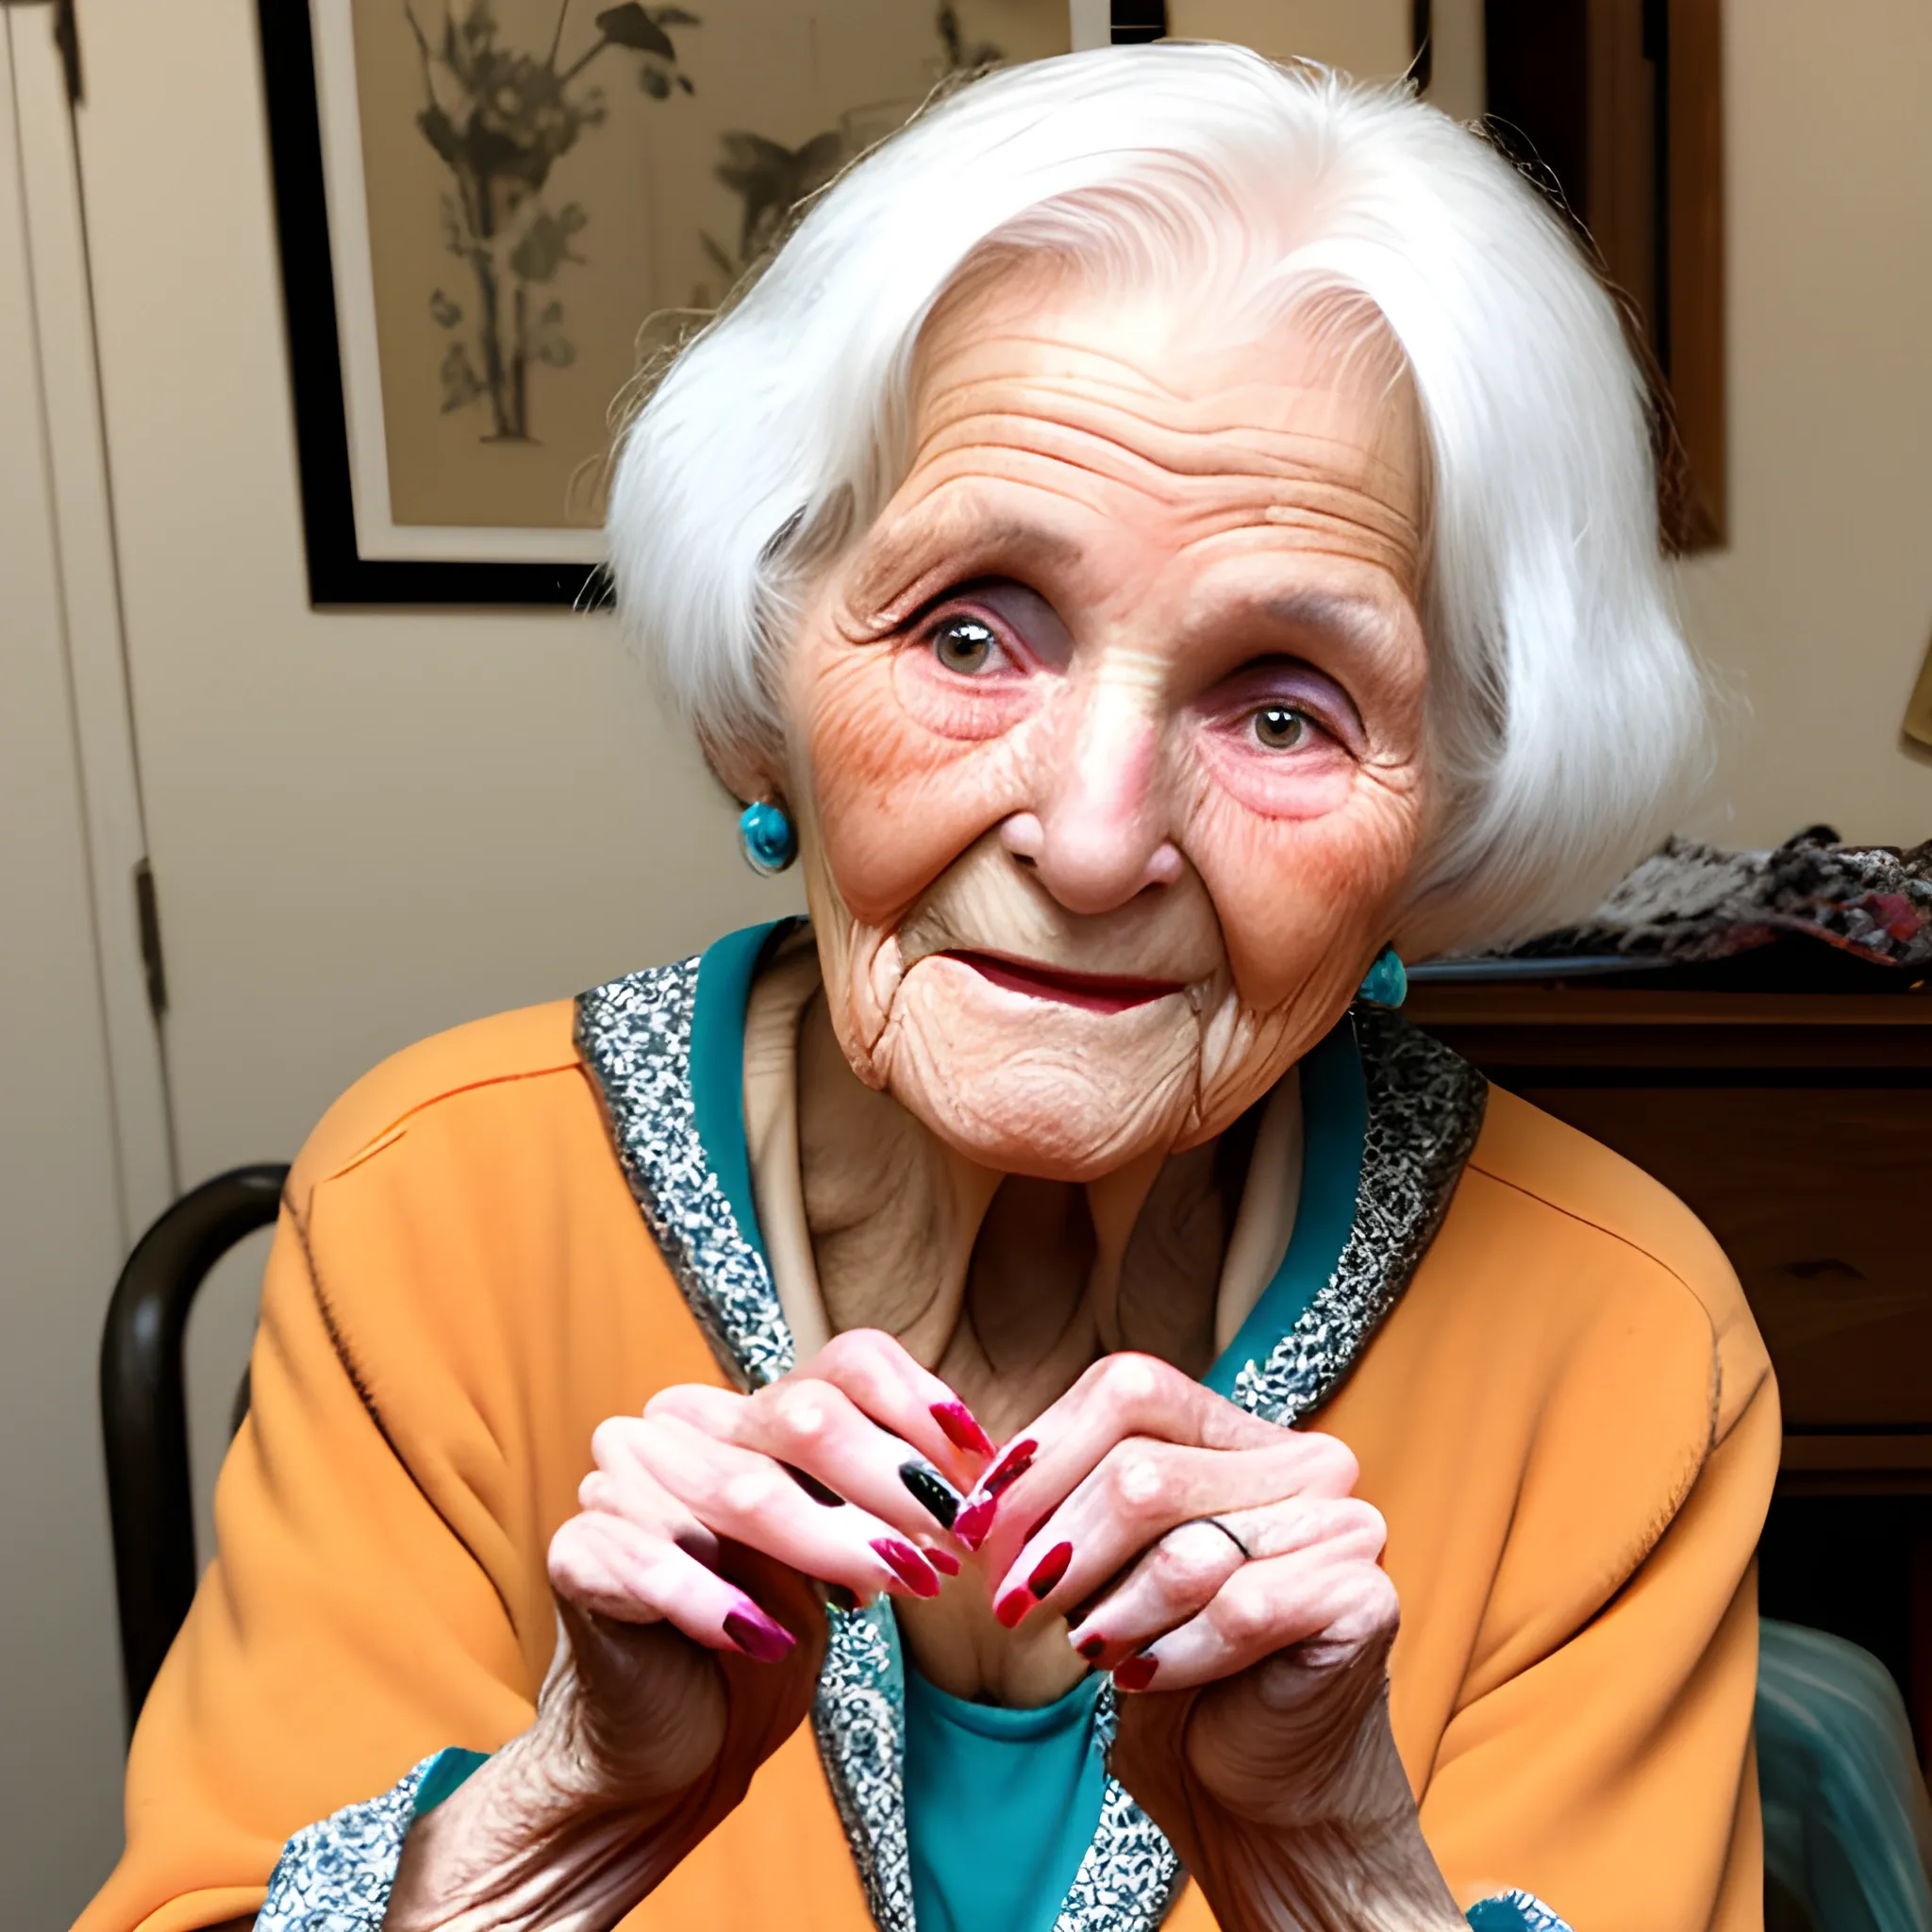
(1100, 837)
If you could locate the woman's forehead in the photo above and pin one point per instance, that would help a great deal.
(1164, 393)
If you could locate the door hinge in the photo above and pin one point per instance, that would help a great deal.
(147, 913)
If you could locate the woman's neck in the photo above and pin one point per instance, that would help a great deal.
(1008, 1287)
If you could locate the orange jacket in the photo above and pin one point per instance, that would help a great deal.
(1567, 1421)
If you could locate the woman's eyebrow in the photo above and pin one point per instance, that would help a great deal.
(910, 568)
(1355, 619)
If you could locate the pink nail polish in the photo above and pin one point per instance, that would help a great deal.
(943, 1561)
(911, 1569)
(1013, 1465)
(1049, 1570)
(1090, 1647)
(1135, 1672)
(1012, 1607)
(962, 1430)
(757, 1635)
(974, 1521)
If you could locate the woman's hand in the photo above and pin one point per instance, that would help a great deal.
(688, 1589)
(1220, 1567)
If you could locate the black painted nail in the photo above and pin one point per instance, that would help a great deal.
(814, 1488)
(931, 1491)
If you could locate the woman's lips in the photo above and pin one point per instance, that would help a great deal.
(1097, 992)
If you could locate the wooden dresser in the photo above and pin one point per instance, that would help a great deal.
(1799, 1128)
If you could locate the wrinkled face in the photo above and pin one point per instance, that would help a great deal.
(1106, 737)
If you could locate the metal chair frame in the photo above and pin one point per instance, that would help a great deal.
(145, 1408)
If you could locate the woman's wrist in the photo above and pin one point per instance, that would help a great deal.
(1331, 1879)
(540, 1835)
(548, 1832)
(1336, 1844)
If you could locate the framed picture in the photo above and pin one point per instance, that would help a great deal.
(482, 204)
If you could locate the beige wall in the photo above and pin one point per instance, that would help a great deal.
(366, 826)
(1818, 614)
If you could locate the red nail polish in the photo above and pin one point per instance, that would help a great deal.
(911, 1569)
(973, 1523)
(1039, 1523)
(962, 1431)
(1012, 1608)
(757, 1635)
(1049, 1570)
(1091, 1647)
(1135, 1672)
(943, 1561)
(1013, 1465)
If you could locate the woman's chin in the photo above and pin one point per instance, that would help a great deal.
(1040, 1087)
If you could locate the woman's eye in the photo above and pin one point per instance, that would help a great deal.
(966, 646)
(1279, 727)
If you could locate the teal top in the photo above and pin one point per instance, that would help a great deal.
(1002, 1805)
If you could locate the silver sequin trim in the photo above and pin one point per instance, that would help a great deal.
(635, 1036)
(1425, 1109)
(858, 1716)
(335, 1876)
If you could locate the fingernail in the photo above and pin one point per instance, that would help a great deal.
(943, 1561)
(1049, 1570)
(1135, 1672)
(962, 1431)
(974, 1521)
(1013, 1465)
(1091, 1647)
(814, 1488)
(1012, 1607)
(757, 1635)
(931, 1491)
(911, 1569)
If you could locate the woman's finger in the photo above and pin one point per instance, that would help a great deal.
(1189, 1566)
(905, 1398)
(1140, 1490)
(751, 1499)
(1312, 1596)
(605, 1564)
(1121, 1396)
(816, 1427)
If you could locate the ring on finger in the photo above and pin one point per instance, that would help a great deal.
(1215, 1522)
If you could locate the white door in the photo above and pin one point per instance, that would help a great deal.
(83, 1142)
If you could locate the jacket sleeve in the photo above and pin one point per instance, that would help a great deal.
(450, 1306)
(1614, 1775)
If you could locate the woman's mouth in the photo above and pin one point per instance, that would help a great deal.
(1096, 993)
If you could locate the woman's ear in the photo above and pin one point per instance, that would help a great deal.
(748, 771)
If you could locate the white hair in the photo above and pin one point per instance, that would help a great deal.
(1565, 712)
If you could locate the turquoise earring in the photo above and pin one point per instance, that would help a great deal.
(1385, 982)
(767, 836)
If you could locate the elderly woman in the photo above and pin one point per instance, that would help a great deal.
(1166, 538)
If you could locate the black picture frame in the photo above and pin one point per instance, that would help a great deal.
(338, 573)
